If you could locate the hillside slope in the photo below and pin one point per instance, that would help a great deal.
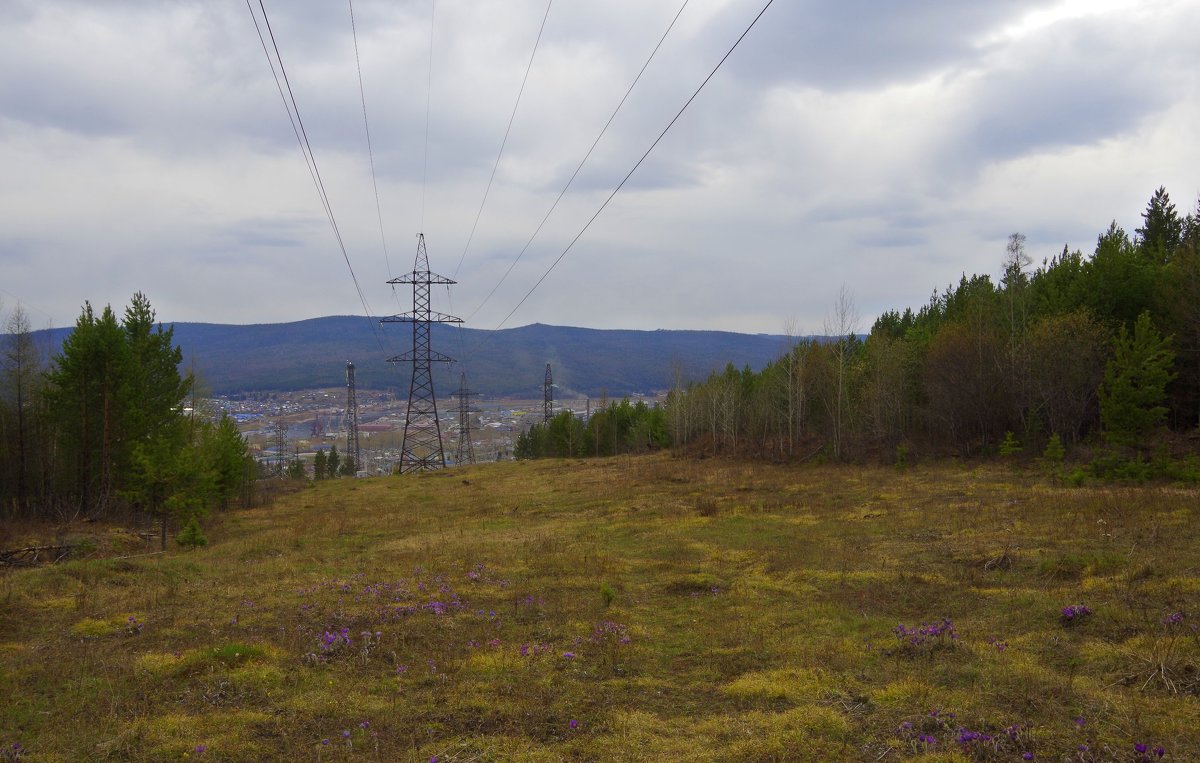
(633, 609)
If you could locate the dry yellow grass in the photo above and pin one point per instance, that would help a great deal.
(627, 609)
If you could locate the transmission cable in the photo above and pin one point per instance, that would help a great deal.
(306, 149)
(428, 92)
(582, 162)
(495, 166)
(367, 129)
(635, 166)
(504, 142)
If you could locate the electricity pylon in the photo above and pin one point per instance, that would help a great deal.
(548, 406)
(465, 454)
(353, 449)
(421, 449)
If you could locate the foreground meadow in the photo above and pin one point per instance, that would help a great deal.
(629, 609)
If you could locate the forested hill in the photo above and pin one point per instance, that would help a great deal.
(313, 353)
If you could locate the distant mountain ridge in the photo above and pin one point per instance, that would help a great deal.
(312, 354)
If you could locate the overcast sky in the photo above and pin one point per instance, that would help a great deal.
(885, 146)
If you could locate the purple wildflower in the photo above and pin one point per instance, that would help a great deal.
(1075, 612)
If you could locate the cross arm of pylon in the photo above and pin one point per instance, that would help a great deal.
(410, 357)
(422, 278)
(431, 316)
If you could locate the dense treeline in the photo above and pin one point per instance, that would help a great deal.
(1100, 349)
(105, 425)
(614, 429)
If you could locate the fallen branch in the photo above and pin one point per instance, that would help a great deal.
(33, 555)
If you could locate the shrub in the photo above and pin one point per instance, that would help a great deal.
(1010, 446)
(1054, 453)
(191, 536)
(607, 594)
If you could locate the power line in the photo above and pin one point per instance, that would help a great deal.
(428, 92)
(27, 305)
(306, 148)
(582, 162)
(504, 142)
(637, 164)
(367, 128)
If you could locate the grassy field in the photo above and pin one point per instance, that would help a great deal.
(629, 609)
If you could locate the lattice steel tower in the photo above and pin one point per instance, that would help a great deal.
(280, 438)
(353, 450)
(548, 406)
(422, 445)
(465, 453)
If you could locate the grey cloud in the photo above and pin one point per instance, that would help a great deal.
(890, 239)
(1063, 94)
(838, 45)
(269, 232)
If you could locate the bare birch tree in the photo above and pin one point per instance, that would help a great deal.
(840, 328)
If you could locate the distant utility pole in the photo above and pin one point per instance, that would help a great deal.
(353, 450)
(466, 449)
(421, 449)
(548, 407)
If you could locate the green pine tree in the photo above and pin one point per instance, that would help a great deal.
(225, 453)
(1135, 383)
(87, 392)
(332, 461)
(1010, 446)
(295, 469)
(191, 535)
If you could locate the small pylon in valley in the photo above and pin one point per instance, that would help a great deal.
(465, 453)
